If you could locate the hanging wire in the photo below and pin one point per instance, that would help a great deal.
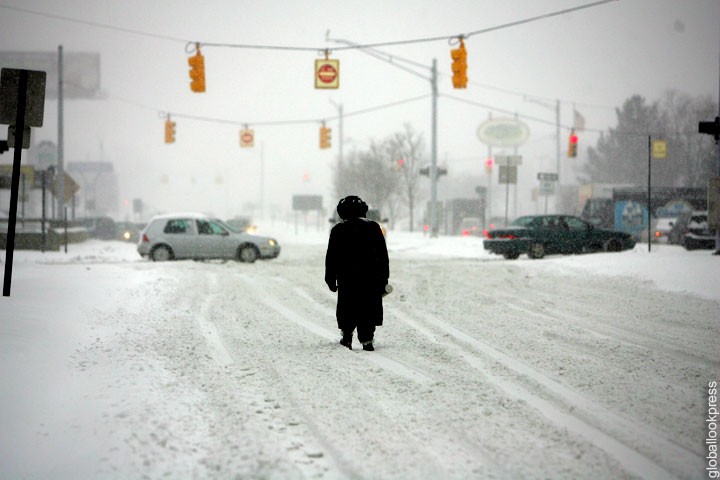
(296, 48)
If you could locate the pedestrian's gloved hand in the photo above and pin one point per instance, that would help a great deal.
(332, 287)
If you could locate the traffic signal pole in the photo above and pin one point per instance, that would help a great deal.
(433, 83)
(433, 155)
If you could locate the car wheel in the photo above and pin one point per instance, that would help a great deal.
(248, 254)
(511, 256)
(536, 250)
(613, 245)
(161, 253)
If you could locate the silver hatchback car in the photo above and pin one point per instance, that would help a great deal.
(196, 236)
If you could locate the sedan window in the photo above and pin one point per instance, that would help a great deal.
(576, 223)
(177, 226)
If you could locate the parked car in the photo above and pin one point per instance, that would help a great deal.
(193, 235)
(663, 226)
(242, 224)
(691, 231)
(129, 231)
(471, 227)
(540, 235)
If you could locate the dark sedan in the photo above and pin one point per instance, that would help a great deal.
(540, 235)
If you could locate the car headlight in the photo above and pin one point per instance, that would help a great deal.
(272, 242)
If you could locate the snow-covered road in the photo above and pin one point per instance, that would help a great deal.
(113, 367)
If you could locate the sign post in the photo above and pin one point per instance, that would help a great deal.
(22, 92)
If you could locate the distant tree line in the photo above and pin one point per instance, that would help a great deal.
(621, 154)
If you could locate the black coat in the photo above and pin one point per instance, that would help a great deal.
(357, 263)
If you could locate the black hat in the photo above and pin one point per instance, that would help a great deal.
(351, 207)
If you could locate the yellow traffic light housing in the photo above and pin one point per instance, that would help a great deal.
(197, 71)
(572, 144)
(459, 66)
(169, 130)
(325, 133)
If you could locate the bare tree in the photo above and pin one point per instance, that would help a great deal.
(408, 151)
(386, 175)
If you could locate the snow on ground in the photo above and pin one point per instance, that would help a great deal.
(587, 366)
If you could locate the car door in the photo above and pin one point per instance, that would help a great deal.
(179, 233)
(549, 234)
(577, 232)
(213, 240)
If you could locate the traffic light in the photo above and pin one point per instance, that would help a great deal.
(488, 165)
(711, 128)
(197, 71)
(399, 164)
(459, 66)
(572, 144)
(325, 133)
(169, 130)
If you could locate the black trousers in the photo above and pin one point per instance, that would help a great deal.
(361, 309)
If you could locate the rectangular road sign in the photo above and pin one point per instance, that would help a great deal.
(34, 97)
(507, 174)
(659, 149)
(548, 176)
(508, 160)
(547, 187)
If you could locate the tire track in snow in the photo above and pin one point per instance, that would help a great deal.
(477, 452)
(469, 457)
(209, 331)
(629, 458)
(394, 366)
(625, 336)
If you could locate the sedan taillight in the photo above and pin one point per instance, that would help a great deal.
(145, 238)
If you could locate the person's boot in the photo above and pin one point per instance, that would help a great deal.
(346, 340)
(368, 346)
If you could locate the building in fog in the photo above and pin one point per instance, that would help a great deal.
(98, 194)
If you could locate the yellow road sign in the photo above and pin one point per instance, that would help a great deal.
(659, 149)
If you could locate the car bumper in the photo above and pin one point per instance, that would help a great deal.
(503, 246)
(270, 252)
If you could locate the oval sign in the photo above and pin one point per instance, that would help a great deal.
(503, 132)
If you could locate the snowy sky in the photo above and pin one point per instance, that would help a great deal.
(592, 59)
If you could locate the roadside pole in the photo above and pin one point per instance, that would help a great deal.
(649, 195)
(22, 100)
(19, 138)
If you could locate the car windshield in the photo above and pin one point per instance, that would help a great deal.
(226, 226)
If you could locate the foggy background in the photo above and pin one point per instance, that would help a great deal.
(591, 60)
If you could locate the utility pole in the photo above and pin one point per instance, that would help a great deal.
(61, 166)
(433, 155)
(433, 83)
(557, 147)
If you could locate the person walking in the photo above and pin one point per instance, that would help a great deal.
(357, 268)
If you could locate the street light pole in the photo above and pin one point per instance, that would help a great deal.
(557, 144)
(433, 83)
(433, 155)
